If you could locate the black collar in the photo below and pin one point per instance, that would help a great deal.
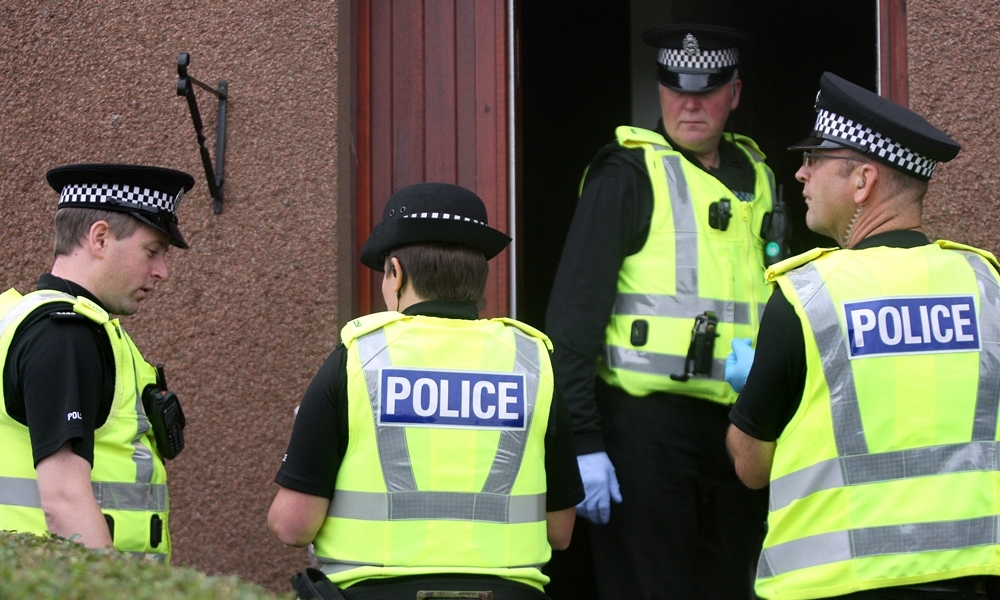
(902, 238)
(49, 281)
(445, 309)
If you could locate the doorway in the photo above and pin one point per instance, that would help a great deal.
(584, 72)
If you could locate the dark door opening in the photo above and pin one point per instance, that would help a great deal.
(577, 85)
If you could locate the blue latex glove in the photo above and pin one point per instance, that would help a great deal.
(738, 363)
(601, 485)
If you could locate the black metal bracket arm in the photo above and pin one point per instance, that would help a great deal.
(184, 88)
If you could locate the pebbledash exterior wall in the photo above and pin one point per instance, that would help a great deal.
(254, 307)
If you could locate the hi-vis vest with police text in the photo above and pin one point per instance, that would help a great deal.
(445, 468)
(684, 269)
(888, 474)
(128, 477)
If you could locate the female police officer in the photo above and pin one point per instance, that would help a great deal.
(426, 452)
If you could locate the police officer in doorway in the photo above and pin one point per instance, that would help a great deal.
(427, 453)
(666, 238)
(78, 455)
(871, 407)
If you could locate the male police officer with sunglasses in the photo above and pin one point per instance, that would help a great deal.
(666, 238)
(78, 455)
(427, 453)
(871, 407)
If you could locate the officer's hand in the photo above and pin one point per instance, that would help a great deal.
(601, 485)
(738, 363)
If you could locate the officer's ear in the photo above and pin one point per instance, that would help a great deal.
(865, 177)
(396, 269)
(97, 237)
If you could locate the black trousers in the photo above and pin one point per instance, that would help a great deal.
(406, 588)
(687, 527)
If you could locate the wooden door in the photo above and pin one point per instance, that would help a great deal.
(432, 107)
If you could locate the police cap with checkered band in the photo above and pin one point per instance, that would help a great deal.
(432, 212)
(849, 116)
(150, 194)
(696, 58)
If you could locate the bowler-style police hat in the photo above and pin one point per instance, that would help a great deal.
(150, 194)
(432, 212)
(696, 58)
(849, 116)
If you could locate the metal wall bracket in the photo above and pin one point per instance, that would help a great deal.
(184, 88)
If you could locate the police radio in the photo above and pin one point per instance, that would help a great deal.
(166, 418)
(775, 230)
(701, 351)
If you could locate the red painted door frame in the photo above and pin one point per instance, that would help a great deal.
(431, 91)
(892, 55)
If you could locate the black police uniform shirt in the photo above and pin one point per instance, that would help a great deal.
(59, 377)
(320, 435)
(773, 391)
(611, 222)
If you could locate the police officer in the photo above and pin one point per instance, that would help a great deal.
(427, 452)
(871, 407)
(667, 228)
(77, 455)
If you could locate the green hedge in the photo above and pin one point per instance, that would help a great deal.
(51, 567)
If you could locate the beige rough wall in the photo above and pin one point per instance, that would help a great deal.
(954, 58)
(250, 311)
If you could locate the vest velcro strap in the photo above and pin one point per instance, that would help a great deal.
(330, 566)
(908, 538)
(681, 307)
(887, 466)
(630, 359)
(21, 491)
(400, 506)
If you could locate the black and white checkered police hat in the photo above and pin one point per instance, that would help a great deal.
(849, 116)
(150, 194)
(696, 58)
(432, 212)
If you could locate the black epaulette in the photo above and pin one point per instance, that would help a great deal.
(66, 315)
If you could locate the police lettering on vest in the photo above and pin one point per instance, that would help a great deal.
(468, 399)
(912, 325)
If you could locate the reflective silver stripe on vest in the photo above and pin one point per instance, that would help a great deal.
(838, 546)
(21, 491)
(988, 395)
(681, 307)
(848, 432)
(402, 500)
(643, 361)
(685, 227)
(510, 451)
(30, 303)
(142, 456)
(398, 506)
(886, 466)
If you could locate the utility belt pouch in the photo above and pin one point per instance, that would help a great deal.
(312, 583)
(701, 351)
(166, 418)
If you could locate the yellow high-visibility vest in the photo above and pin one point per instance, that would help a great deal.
(128, 477)
(887, 474)
(684, 269)
(445, 464)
